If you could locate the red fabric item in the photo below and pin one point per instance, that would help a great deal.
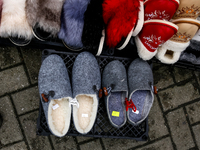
(154, 34)
(130, 104)
(120, 16)
(1, 5)
(160, 9)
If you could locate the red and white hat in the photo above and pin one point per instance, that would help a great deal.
(160, 9)
(154, 34)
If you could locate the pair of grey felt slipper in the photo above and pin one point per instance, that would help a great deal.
(129, 96)
(59, 99)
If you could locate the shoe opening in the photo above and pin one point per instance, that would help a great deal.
(169, 54)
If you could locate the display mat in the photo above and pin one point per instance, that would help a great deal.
(102, 126)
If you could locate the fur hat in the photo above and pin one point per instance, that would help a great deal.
(13, 20)
(93, 25)
(120, 18)
(45, 15)
(72, 21)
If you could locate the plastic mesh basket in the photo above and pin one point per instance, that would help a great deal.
(102, 126)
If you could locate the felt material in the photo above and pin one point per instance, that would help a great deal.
(1, 4)
(190, 57)
(93, 25)
(114, 74)
(85, 75)
(119, 17)
(116, 103)
(13, 20)
(140, 78)
(72, 21)
(53, 76)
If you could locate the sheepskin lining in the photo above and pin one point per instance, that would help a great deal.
(169, 54)
(84, 116)
(59, 119)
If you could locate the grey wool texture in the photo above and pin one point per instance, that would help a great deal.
(140, 82)
(53, 76)
(115, 74)
(85, 74)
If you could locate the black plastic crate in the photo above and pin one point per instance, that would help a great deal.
(102, 126)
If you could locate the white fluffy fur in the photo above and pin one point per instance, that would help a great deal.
(142, 51)
(140, 22)
(176, 49)
(59, 119)
(88, 104)
(14, 22)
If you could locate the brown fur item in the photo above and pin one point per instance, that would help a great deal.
(46, 13)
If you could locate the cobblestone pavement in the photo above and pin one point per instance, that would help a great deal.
(174, 120)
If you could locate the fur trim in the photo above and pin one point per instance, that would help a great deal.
(49, 16)
(142, 51)
(1, 4)
(175, 46)
(59, 119)
(13, 21)
(167, 58)
(72, 21)
(32, 11)
(93, 25)
(173, 56)
(120, 17)
(88, 104)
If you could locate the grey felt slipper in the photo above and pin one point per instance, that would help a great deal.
(141, 97)
(114, 82)
(55, 94)
(86, 82)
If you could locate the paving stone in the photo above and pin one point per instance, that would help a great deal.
(173, 97)
(162, 77)
(196, 130)
(29, 126)
(10, 131)
(17, 146)
(94, 145)
(9, 56)
(32, 58)
(26, 100)
(12, 79)
(164, 144)
(180, 130)
(82, 138)
(123, 144)
(182, 74)
(193, 111)
(197, 73)
(64, 143)
(157, 127)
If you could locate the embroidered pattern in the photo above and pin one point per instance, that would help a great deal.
(182, 37)
(158, 15)
(153, 40)
(188, 11)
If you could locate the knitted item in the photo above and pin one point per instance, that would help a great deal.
(13, 20)
(93, 25)
(120, 17)
(72, 21)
